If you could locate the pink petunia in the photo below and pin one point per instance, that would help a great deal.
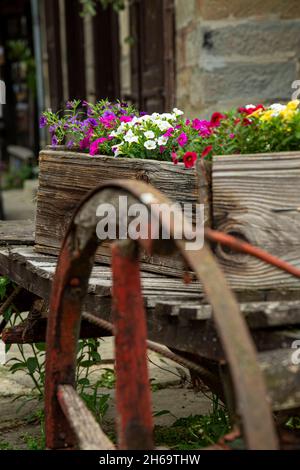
(126, 118)
(182, 139)
(169, 132)
(84, 143)
(174, 158)
(95, 145)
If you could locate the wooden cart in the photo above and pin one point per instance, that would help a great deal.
(242, 351)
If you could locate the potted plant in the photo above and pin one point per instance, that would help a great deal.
(252, 180)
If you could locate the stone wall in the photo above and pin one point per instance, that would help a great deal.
(231, 52)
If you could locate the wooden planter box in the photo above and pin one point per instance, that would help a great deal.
(65, 178)
(246, 193)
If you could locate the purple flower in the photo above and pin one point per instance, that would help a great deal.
(53, 128)
(70, 105)
(54, 141)
(182, 139)
(70, 144)
(43, 122)
(109, 115)
(92, 122)
(143, 113)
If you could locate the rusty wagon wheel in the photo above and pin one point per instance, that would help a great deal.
(68, 422)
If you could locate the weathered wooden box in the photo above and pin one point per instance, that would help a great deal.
(66, 177)
(254, 197)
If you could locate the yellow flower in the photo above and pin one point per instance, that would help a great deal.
(293, 105)
(256, 113)
(267, 115)
(288, 113)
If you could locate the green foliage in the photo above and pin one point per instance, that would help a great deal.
(19, 51)
(89, 7)
(194, 432)
(4, 283)
(15, 179)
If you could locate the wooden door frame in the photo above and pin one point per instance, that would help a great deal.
(169, 45)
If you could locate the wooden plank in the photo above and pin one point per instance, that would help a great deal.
(88, 432)
(16, 232)
(247, 192)
(257, 314)
(66, 177)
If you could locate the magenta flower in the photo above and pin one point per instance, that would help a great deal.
(199, 124)
(126, 118)
(232, 136)
(182, 139)
(205, 132)
(84, 143)
(169, 132)
(95, 145)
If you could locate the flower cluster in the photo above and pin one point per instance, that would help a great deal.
(118, 129)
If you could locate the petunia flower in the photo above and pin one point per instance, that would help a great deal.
(54, 141)
(150, 144)
(182, 139)
(216, 119)
(206, 151)
(43, 122)
(94, 147)
(174, 158)
(84, 143)
(189, 159)
(126, 118)
(169, 132)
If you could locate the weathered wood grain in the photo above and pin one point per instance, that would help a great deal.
(88, 432)
(247, 191)
(17, 232)
(66, 177)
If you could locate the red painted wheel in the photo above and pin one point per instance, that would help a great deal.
(132, 388)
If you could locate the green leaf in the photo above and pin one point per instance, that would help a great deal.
(40, 346)
(15, 367)
(161, 413)
(84, 381)
(32, 364)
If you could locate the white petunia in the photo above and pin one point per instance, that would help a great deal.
(150, 144)
(162, 140)
(149, 134)
(178, 112)
(277, 108)
(163, 125)
(130, 137)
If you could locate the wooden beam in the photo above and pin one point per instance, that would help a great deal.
(88, 432)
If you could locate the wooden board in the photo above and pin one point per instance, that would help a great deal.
(17, 232)
(66, 177)
(247, 191)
